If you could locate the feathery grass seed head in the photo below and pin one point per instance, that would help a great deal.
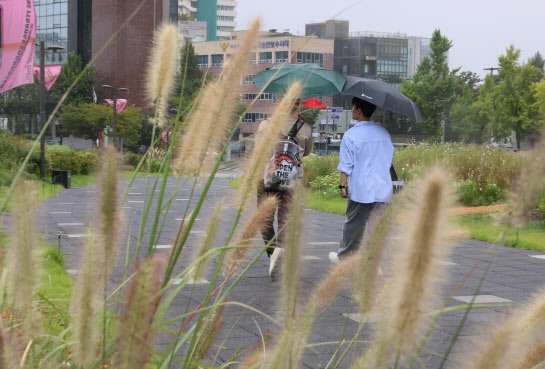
(208, 241)
(86, 302)
(263, 214)
(136, 329)
(162, 69)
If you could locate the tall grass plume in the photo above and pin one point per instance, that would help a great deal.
(265, 141)
(264, 213)
(24, 261)
(162, 66)
(136, 329)
(212, 326)
(86, 302)
(208, 241)
(109, 209)
(207, 127)
(412, 286)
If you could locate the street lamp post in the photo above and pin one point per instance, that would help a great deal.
(115, 89)
(43, 95)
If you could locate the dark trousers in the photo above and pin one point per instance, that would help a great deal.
(268, 231)
(357, 216)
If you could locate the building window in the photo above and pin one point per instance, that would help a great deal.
(225, 18)
(264, 96)
(265, 57)
(248, 79)
(217, 60)
(252, 59)
(203, 60)
(255, 117)
(316, 58)
(227, 8)
(282, 56)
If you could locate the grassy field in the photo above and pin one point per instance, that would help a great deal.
(528, 237)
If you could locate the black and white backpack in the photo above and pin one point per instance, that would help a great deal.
(282, 171)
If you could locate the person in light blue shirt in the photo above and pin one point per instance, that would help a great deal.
(365, 161)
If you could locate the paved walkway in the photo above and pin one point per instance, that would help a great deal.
(514, 276)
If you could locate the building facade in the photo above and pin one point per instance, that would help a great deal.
(52, 27)
(271, 49)
(331, 29)
(219, 15)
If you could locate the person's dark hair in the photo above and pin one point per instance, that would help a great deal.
(366, 107)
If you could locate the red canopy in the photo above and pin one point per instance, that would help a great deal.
(313, 103)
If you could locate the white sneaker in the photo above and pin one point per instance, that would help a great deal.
(276, 263)
(334, 258)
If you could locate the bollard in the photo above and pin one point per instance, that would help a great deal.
(59, 234)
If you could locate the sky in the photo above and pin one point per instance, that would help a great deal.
(480, 30)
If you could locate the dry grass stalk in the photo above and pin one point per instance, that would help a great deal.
(523, 199)
(372, 250)
(86, 303)
(492, 356)
(8, 353)
(208, 241)
(337, 276)
(162, 70)
(210, 331)
(110, 215)
(180, 235)
(412, 285)
(24, 261)
(292, 256)
(136, 329)
(264, 212)
(213, 116)
(265, 141)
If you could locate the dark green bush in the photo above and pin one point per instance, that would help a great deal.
(474, 194)
(132, 159)
(78, 162)
(156, 167)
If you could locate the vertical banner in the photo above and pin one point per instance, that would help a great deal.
(18, 43)
(51, 72)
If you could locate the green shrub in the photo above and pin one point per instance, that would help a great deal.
(318, 166)
(132, 159)
(13, 150)
(156, 167)
(327, 185)
(541, 209)
(78, 162)
(474, 194)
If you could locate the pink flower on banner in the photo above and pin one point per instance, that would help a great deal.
(120, 104)
(18, 43)
(51, 73)
(165, 136)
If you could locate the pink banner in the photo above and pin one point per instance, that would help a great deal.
(165, 136)
(51, 72)
(18, 43)
(120, 105)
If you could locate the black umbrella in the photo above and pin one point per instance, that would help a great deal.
(382, 95)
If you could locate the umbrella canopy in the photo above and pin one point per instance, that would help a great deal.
(382, 95)
(314, 103)
(316, 80)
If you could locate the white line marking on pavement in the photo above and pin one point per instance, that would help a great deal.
(135, 193)
(180, 219)
(482, 299)
(66, 203)
(312, 257)
(447, 263)
(138, 202)
(191, 281)
(126, 207)
(78, 235)
(163, 246)
(196, 232)
(60, 212)
(324, 243)
(357, 317)
(182, 199)
(70, 224)
(537, 256)
(394, 238)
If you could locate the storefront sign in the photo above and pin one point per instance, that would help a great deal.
(265, 44)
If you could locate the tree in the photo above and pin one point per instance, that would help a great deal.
(189, 80)
(89, 120)
(433, 86)
(83, 91)
(538, 61)
(310, 116)
(19, 102)
(514, 97)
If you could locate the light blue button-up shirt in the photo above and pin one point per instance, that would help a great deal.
(366, 157)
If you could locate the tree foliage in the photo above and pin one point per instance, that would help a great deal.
(514, 98)
(189, 80)
(538, 61)
(82, 92)
(310, 115)
(89, 120)
(433, 86)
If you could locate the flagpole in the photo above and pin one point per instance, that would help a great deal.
(42, 108)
